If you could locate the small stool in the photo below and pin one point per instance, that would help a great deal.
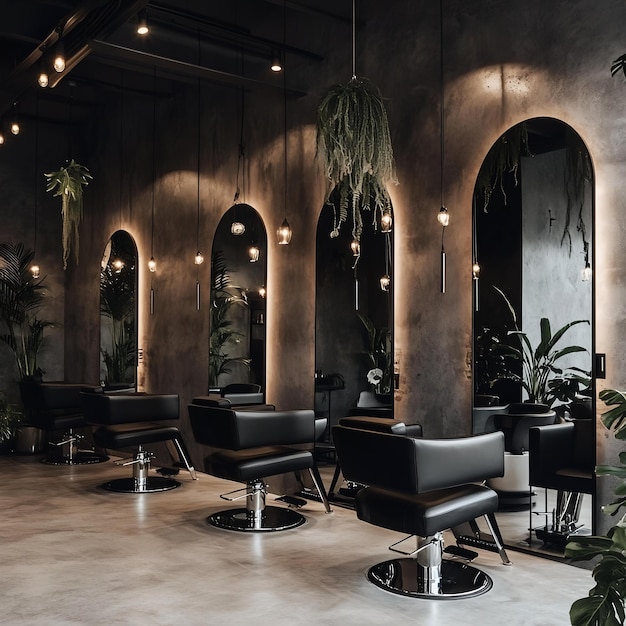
(129, 421)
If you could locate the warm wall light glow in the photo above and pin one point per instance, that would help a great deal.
(34, 270)
(284, 233)
(253, 253)
(1, 138)
(152, 264)
(199, 258)
(386, 222)
(237, 228)
(443, 217)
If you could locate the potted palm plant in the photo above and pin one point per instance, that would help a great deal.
(541, 375)
(9, 419)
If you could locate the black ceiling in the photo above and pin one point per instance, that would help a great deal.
(225, 42)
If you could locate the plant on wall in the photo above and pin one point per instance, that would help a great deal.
(21, 298)
(9, 418)
(604, 606)
(68, 183)
(539, 366)
(224, 296)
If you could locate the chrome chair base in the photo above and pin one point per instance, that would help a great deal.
(150, 485)
(82, 457)
(273, 518)
(406, 577)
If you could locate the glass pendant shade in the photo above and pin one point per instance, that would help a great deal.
(34, 270)
(355, 246)
(15, 128)
(253, 253)
(237, 228)
(199, 258)
(42, 79)
(284, 233)
(443, 217)
(59, 57)
(142, 24)
(385, 282)
(152, 264)
(262, 292)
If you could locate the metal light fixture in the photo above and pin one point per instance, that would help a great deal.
(43, 79)
(253, 253)
(199, 258)
(35, 271)
(276, 65)
(284, 233)
(443, 217)
(152, 265)
(385, 282)
(15, 124)
(355, 246)
(142, 23)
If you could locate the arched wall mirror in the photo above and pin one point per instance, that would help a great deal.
(118, 312)
(534, 324)
(237, 325)
(353, 321)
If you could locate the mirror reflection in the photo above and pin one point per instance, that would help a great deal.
(533, 328)
(237, 324)
(118, 312)
(354, 320)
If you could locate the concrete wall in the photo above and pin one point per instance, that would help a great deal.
(504, 62)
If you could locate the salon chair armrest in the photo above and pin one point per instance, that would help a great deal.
(105, 409)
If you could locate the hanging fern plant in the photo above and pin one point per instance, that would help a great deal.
(354, 145)
(68, 183)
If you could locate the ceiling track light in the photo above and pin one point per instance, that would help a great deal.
(276, 65)
(142, 23)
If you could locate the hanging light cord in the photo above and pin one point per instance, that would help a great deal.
(121, 141)
(353, 39)
(285, 93)
(36, 172)
(441, 104)
(153, 161)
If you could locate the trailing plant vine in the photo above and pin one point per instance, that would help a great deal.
(354, 145)
(68, 183)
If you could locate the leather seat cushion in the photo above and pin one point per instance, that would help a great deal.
(58, 419)
(252, 463)
(427, 513)
(131, 435)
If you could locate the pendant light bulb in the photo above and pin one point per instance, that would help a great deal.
(475, 271)
(1, 138)
(34, 270)
(253, 253)
(152, 264)
(355, 246)
(262, 292)
(59, 57)
(15, 128)
(199, 258)
(284, 233)
(386, 222)
(385, 282)
(276, 65)
(443, 217)
(42, 79)
(586, 273)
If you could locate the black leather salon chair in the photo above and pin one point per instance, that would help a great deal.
(248, 446)
(375, 423)
(422, 487)
(562, 457)
(56, 406)
(134, 421)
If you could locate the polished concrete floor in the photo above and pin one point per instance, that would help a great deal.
(73, 554)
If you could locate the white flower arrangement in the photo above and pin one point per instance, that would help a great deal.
(375, 376)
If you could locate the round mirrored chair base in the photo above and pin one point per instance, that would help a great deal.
(273, 518)
(83, 457)
(405, 577)
(152, 484)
